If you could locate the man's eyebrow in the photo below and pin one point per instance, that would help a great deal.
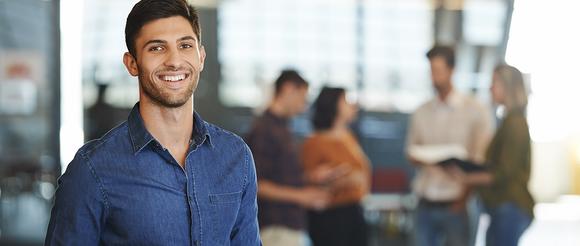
(187, 38)
(155, 41)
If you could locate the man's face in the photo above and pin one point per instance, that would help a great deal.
(169, 59)
(440, 73)
(497, 89)
(296, 98)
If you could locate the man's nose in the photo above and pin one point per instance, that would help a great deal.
(173, 59)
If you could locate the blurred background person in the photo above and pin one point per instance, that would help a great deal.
(450, 118)
(333, 147)
(282, 193)
(505, 186)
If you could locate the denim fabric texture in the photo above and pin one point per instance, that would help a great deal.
(508, 223)
(439, 226)
(126, 189)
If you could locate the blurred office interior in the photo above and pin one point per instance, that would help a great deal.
(57, 56)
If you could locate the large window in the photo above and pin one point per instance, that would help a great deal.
(375, 47)
(396, 36)
(259, 38)
(103, 48)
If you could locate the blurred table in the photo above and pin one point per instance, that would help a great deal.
(390, 218)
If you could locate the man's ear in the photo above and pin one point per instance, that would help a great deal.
(130, 64)
(201, 57)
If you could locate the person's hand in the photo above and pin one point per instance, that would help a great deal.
(327, 173)
(416, 162)
(459, 206)
(314, 198)
(351, 180)
(460, 176)
(457, 174)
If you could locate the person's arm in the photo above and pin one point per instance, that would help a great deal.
(308, 197)
(263, 148)
(338, 178)
(512, 159)
(482, 178)
(413, 138)
(481, 134)
(246, 230)
(316, 170)
(79, 207)
(357, 181)
(510, 154)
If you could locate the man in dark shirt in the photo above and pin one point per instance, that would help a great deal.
(165, 176)
(282, 194)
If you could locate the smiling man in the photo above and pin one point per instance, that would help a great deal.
(165, 176)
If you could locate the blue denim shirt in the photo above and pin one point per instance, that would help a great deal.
(126, 189)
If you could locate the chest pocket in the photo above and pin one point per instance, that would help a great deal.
(224, 211)
(217, 199)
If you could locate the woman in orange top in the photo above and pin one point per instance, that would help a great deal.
(334, 152)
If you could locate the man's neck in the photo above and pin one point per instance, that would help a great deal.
(278, 108)
(443, 94)
(172, 127)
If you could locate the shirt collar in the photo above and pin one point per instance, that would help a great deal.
(200, 131)
(277, 119)
(453, 100)
(140, 137)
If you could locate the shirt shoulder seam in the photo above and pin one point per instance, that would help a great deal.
(102, 189)
(99, 142)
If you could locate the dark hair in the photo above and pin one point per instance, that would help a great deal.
(146, 11)
(326, 107)
(289, 76)
(445, 52)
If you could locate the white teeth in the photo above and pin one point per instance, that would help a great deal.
(173, 78)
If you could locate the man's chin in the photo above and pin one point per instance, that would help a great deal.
(175, 103)
(170, 103)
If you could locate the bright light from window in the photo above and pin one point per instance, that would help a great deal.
(71, 129)
(543, 43)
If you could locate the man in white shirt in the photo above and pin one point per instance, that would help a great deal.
(449, 119)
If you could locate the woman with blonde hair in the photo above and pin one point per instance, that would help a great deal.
(504, 187)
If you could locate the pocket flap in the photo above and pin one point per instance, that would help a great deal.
(225, 197)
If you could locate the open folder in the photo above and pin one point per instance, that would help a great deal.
(432, 154)
(466, 166)
(444, 155)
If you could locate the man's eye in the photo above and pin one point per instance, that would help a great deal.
(186, 46)
(156, 48)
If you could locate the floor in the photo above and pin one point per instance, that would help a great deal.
(556, 224)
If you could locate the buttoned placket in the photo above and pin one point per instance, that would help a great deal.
(192, 198)
(189, 189)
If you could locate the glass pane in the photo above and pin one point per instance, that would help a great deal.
(318, 38)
